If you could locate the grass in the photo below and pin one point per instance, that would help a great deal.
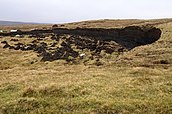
(25, 27)
(135, 82)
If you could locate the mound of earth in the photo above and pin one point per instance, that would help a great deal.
(128, 37)
(76, 44)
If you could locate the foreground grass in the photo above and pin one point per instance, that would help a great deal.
(137, 82)
(82, 89)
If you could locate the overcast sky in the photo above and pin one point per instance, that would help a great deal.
(62, 11)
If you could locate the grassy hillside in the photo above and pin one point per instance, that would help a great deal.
(136, 81)
(9, 23)
(25, 27)
(108, 23)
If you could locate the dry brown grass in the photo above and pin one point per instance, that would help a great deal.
(108, 23)
(134, 83)
(25, 27)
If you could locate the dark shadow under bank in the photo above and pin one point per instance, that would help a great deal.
(128, 37)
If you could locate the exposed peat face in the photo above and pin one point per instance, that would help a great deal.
(128, 37)
(68, 44)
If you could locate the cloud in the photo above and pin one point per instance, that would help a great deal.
(59, 11)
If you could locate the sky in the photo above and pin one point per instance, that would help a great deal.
(65, 11)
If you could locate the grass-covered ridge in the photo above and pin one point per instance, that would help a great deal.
(137, 81)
